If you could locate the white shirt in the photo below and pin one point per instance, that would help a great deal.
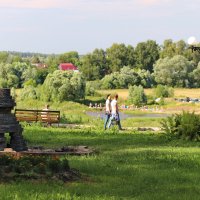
(114, 106)
(108, 108)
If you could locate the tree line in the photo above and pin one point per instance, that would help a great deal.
(119, 66)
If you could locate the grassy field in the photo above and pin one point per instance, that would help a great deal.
(178, 92)
(128, 165)
(170, 105)
(75, 113)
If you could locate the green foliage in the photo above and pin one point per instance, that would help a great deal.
(126, 77)
(8, 78)
(164, 91)
(31, 166)
(3, 57)
(196, 76)
(185, 125)
(173, 71)
(94, 65)
(119, 55)
(90, 89)
(137, 95)
(171, 49)
(146, 54)
(35, 59)
(63, 85)
(30, 82)
(28, 92)
(69, 57)
(19, 73)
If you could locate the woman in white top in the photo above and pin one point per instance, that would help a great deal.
(108, 110)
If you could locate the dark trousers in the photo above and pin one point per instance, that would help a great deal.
(107, 117)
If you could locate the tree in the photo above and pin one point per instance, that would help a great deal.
(137, 95)
(69, 57)
(7, 76)
(146, 54)
(110, 81)
(192, 55)
(93, 65)
(52, 62)
(181, 47)
(63, 85)
(18, 69)
(164, 91)
(3, 57)
(146, 78)
(122, 79)
(168, 49)
(173, 72)
(29, 73)
(196, 76)
(35, 59)
(118, 56)
(127, 77)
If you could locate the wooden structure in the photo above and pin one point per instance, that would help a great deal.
(9, 124)
(46, 116)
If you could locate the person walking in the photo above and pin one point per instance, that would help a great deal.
(108, 110)
(115, 113)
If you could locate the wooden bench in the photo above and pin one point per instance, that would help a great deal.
(46, 116)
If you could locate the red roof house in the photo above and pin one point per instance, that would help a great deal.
(67, 66)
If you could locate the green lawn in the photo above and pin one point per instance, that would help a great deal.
(128, 165)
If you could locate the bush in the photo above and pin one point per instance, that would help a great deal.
(164, 91)
(89, 90)
(63, 85)
(137, 95)
(32, 166)
(185, 125)
(28, 92)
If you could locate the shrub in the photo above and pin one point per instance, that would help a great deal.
(28, 92)
(89, 90)
(164, 91)
(33, 166)
(137, 95)
(185, 125)
(63, 85)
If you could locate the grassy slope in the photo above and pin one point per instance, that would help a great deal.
(128, 166)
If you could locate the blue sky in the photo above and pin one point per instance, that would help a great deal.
(58, 26)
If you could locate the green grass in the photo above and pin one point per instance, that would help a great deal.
(141, 122)
(128, 165)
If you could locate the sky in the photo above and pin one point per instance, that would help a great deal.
(58, 26)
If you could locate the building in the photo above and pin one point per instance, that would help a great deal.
(68, 67)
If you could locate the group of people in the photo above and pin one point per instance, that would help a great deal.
(96, 105)
(112, 112)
